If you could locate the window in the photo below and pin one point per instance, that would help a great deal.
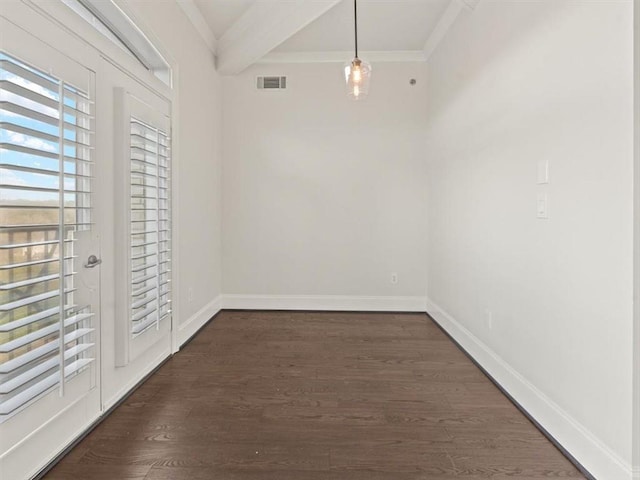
(143, 223)
(150, 229)
(45, 203)
(110, 21)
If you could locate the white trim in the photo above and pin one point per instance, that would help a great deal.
(635, 424)
(472, 4)
(124, 391)
(70, 23)
(324, 302)
(443, 26)
(176, 299)
(194, 323)
(262, 27)
(585, 447)
(33, 467)
(198, 21)
(127, 31)
(343, 57)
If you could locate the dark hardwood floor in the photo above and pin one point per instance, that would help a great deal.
(316, 396)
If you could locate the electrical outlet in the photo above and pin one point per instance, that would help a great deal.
(394, 278)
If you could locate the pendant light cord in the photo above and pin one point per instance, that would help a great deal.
(355, 17)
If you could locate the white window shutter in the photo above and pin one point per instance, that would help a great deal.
(150, 227)
(45, 198)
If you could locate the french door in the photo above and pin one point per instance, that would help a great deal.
(49, 252)
(85, 240)
(134, 125)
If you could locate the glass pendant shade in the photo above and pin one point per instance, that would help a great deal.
(357, 75)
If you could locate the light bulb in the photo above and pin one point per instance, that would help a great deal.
(357, 75)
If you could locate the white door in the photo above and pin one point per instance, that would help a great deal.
(49, 252)
(85, 238)
(134, 141)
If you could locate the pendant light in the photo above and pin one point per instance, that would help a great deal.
(357, 73)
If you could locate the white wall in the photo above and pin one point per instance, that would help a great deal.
(512, 84)
(324, 195)
(197, 162)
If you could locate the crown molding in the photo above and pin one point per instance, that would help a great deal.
(343, 57)
(263, 27)
(196, 18)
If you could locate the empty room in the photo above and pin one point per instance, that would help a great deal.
(319, 239)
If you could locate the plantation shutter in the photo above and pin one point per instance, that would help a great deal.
(45, 200)
(150, 229)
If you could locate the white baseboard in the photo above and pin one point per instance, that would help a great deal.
(324, 302)
(49, 440)
(194, 323)
(597, 458)
(131, 384)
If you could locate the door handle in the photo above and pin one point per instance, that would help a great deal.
(92, 261)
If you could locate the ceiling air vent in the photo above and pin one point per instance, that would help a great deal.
(272, 83)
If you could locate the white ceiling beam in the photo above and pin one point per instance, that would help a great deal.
(443, 26)
(264, 26)
(194, 15)
(471, 3)
(445, 23)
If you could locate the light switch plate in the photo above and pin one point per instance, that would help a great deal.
(542, 206)
(543, 172)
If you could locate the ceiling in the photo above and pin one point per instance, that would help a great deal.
(243, 32)
(397, 25)
(221, 14)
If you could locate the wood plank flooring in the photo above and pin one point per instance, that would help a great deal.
(316, 396)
